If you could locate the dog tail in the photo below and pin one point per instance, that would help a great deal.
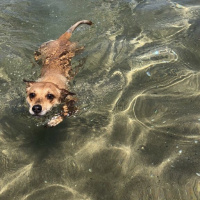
(68, 33)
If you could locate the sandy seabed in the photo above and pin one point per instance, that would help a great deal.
(136, 136)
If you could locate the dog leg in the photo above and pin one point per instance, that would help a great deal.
(55, 121)
(67, 110)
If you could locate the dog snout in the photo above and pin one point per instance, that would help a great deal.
(37, 109)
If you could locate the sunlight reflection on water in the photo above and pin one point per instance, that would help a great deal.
(137, 133)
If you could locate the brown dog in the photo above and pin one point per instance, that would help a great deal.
(51, 88)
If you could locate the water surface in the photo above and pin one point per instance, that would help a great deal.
(137, 133)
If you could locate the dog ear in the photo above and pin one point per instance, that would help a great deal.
(37, 55)
(64, 93)
(28, 83)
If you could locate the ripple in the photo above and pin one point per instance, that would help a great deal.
(154, 112)
(8, 182)
(137, 135)
(157, 56)
(55, 191)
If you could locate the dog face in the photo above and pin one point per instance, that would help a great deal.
(43, 96)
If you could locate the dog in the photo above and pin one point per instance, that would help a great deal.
(51, 88)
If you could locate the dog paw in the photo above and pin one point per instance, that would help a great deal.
(55, 121)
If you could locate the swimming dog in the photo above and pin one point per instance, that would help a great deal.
(51, 88)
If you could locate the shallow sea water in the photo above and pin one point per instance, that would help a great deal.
(137, 134)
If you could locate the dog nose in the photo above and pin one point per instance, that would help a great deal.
(37, 109)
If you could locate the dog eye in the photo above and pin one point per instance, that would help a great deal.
(32, 95)
(50, 96)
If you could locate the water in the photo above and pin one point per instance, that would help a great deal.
(136, 136)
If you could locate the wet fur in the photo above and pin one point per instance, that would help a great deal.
(51, 88)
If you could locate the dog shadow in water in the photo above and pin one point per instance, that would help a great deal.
(42, 142)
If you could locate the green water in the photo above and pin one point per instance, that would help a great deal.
(137, 134)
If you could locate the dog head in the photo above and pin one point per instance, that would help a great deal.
(43, 96)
